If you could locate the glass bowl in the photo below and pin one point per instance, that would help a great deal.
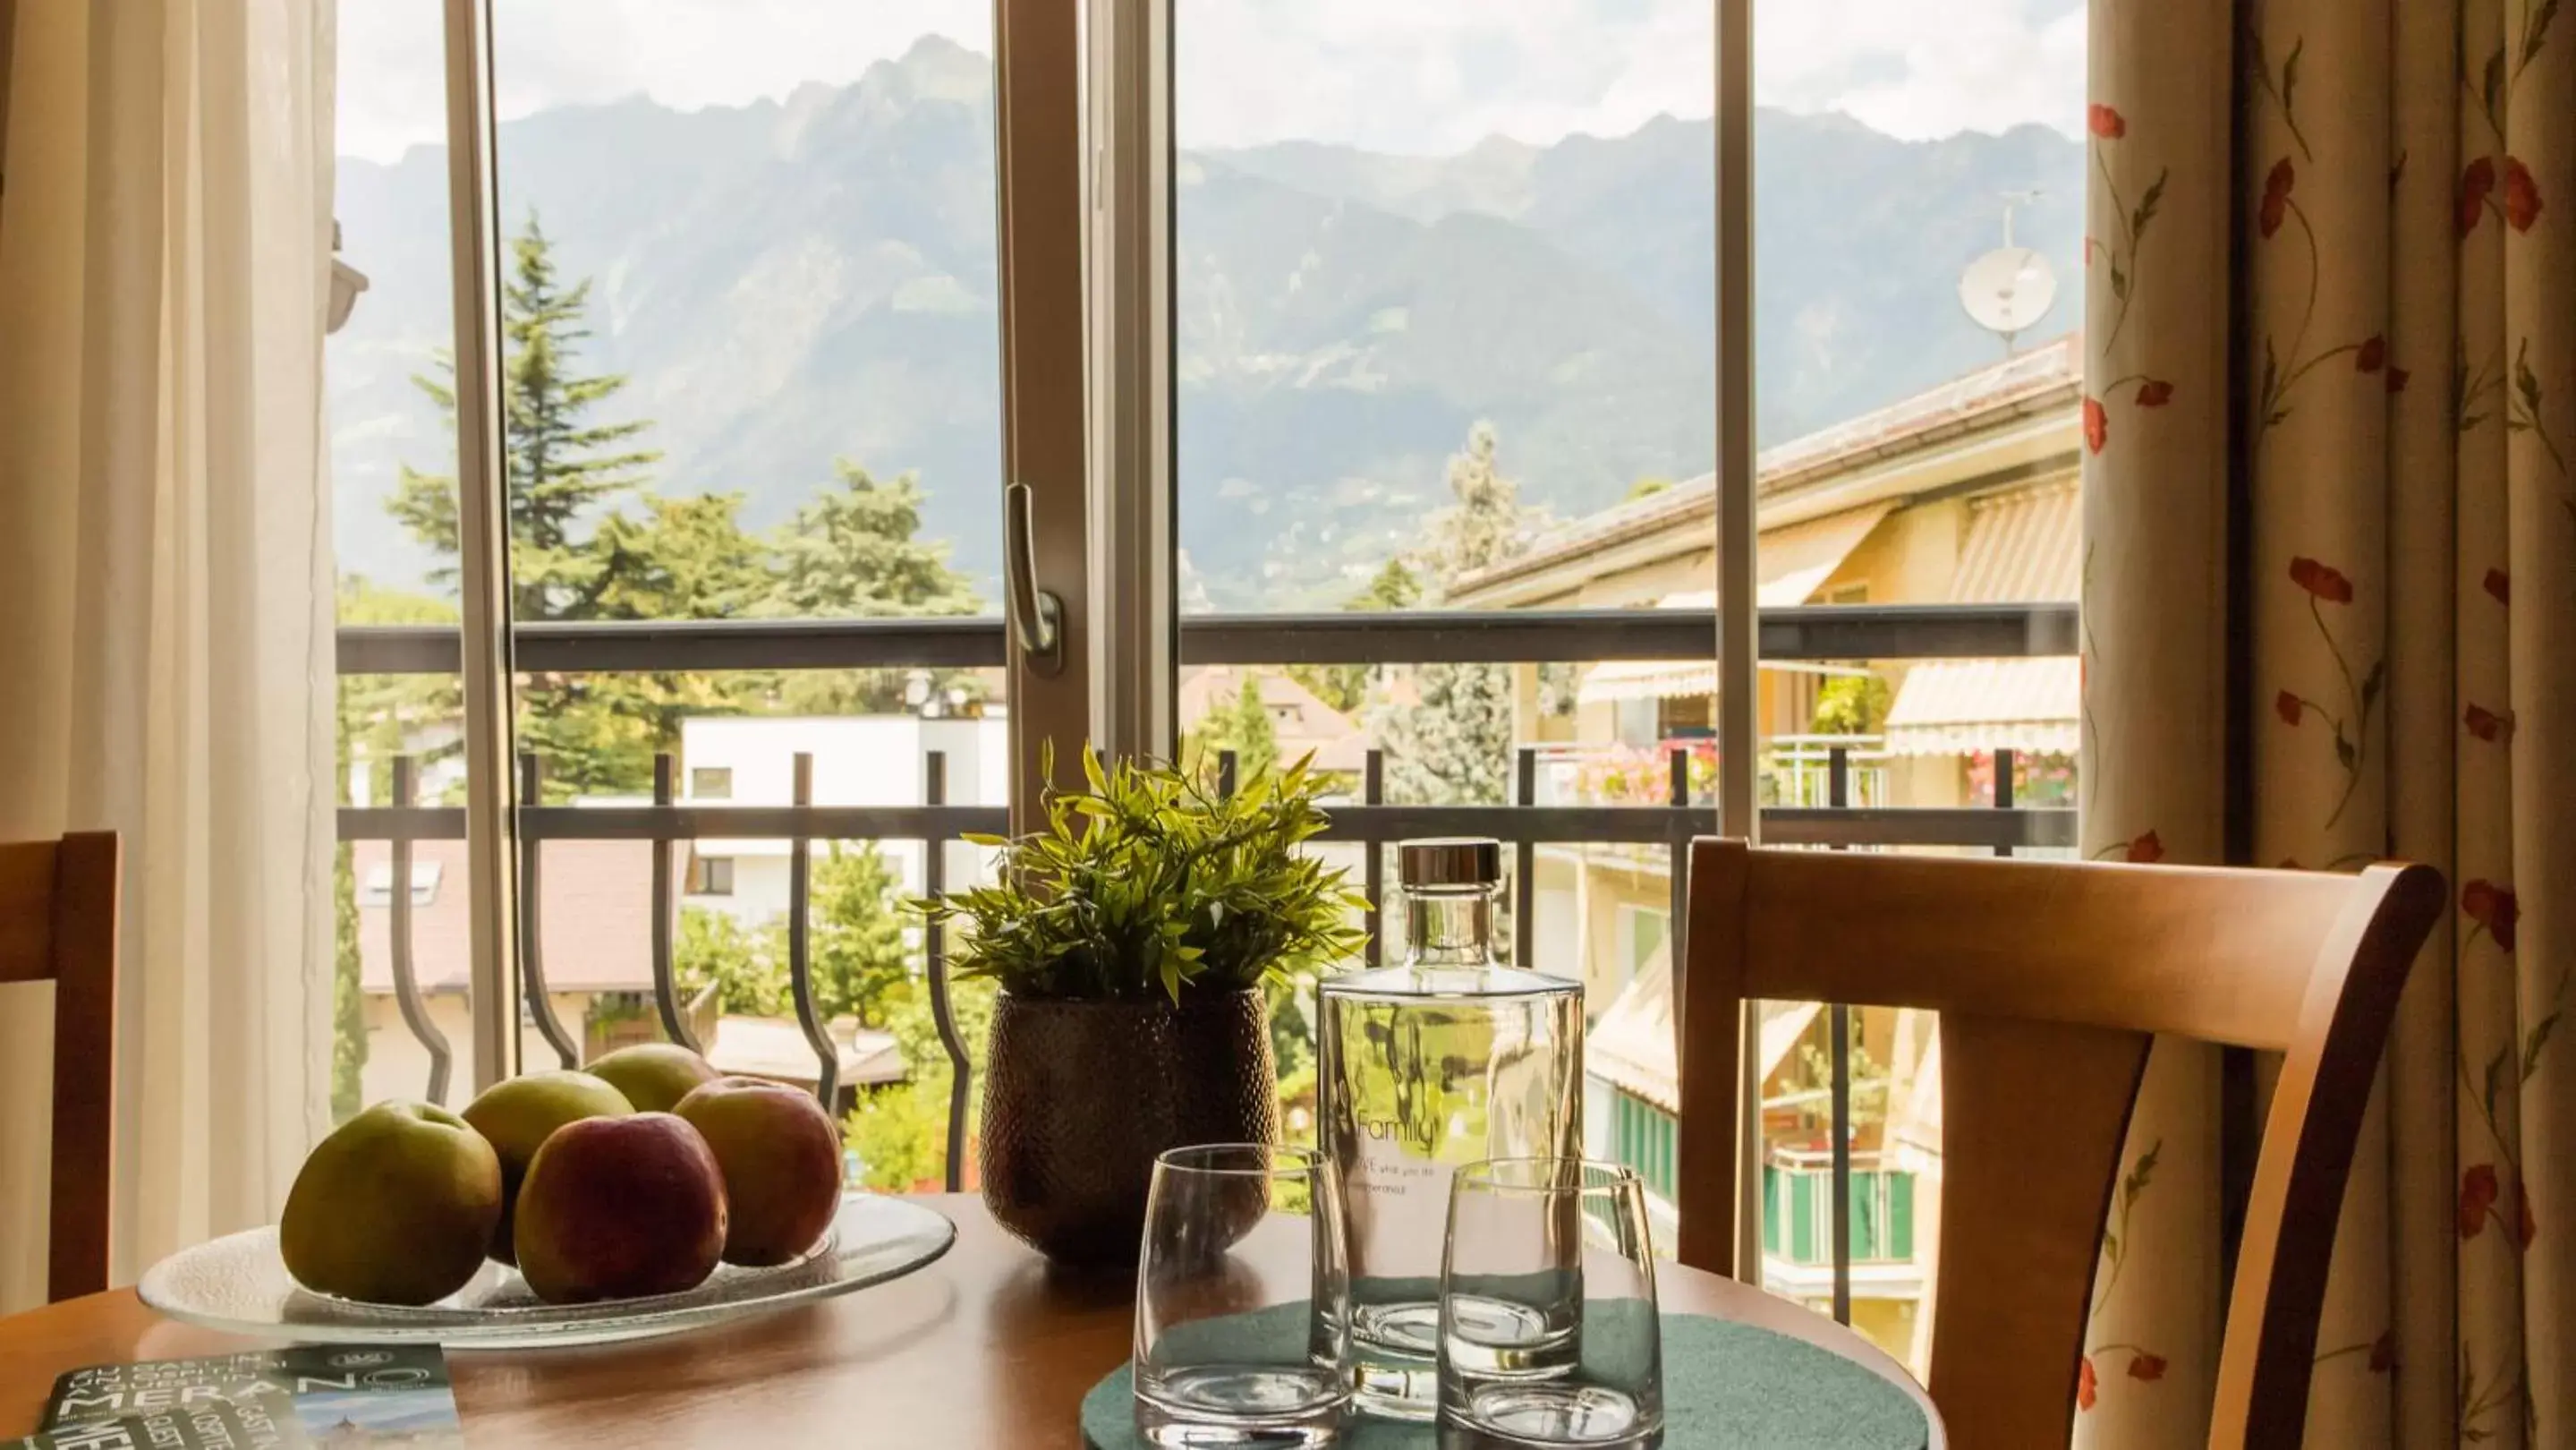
(239, 1283)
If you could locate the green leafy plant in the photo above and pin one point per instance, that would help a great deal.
(1147, 884)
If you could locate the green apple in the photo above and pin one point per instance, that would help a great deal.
(395, 1207)
(654, 1076)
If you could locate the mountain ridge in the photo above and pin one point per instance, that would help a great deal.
(802, 278)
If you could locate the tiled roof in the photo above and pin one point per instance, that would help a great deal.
(595, 915)
(2015, 380)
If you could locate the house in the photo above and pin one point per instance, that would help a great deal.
(863, 760)
(594, 912)
(1964, 494)
(1301, 721)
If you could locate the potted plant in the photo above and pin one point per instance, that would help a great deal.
(1130, 936)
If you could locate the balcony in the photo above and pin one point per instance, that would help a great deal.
(1638, 806)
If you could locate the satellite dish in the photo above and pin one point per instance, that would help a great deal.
(2007, 290)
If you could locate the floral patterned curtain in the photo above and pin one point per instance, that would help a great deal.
(2330, 401)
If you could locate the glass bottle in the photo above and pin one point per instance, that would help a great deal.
(1446, 1058)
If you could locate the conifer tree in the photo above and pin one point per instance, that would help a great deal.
(1447, 728)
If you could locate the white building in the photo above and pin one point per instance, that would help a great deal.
(868, 760)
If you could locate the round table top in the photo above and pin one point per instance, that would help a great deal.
(987, 1347)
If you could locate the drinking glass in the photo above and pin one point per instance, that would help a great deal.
(1548, 1334)
(1243, 1301)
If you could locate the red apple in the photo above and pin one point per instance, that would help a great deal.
(619, 1208)
(781, 1157)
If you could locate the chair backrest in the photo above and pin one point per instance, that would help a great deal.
(2052, 979)
(58, 906)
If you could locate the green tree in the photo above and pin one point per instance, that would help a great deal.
(900, 1132)
(572, 554)
(713, 949)
(861, 959)
(1242, 725)
(564, 468)
(1851, 705)
(1447, 728)
(1346, 687)
(855, 553)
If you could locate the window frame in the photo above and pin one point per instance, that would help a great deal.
(1040, 180)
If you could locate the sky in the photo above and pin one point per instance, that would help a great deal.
(1416, 76)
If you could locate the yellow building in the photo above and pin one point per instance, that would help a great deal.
(1964, 494)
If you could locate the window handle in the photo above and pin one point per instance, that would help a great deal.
(1037, 617)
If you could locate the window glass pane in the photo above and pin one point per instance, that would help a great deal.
(391, 202)
(1426, 256)
(751, 374)
(1919, 280)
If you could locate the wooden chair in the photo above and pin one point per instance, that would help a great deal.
(2051, 979)
(58, 905)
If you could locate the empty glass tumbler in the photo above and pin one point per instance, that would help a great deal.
(1243, 1301)
(1548, 1328)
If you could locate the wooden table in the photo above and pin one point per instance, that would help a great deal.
(986, 1348)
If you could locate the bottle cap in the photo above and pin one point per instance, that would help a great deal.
(1449, 861)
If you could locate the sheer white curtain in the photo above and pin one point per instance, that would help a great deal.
(165, 582)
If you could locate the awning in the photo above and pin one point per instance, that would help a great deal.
(1679, 679)
(1790, 564)
(1632, 1045)
(1789, 567)
(2024, 546)
(1963, 707)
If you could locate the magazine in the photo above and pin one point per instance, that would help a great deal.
(305, 1395)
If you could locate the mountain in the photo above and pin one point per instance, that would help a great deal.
(795, 280)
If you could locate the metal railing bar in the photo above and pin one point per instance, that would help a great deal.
(532, 956)
(1525, 863)
(415, 1014)
(567, 646)
(1373, 866)
(1838, 1049)
(1965, 826)
(1968, 826)
(682, 822)
(666, 985)
(1511, 636)
(1522, 636)
(943, 1015)
(800, 962)
(1677, 924)
(2004, 762)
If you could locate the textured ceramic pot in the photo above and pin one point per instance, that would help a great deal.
(1079, 1097)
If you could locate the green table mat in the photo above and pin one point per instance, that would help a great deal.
(1727, 1386)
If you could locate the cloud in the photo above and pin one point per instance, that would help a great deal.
(1920, 70)
(1419, 76)
(683, 53)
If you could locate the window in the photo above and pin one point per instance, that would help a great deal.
(1643, 931)
(749, 370)
(1439, 359)
(710, 876)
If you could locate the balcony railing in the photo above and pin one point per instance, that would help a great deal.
(1826, 811)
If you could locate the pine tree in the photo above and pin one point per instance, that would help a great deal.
(564, 469)
(1447, 728)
